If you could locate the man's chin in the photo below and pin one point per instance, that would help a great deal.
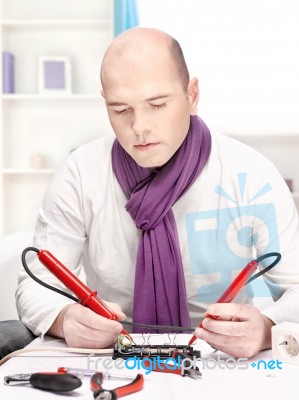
(150, 164)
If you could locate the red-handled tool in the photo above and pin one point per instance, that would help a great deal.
(232, 291)
(103, 394)
(51, 381)
(87, 297)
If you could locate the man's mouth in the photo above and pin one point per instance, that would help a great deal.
(145, 146)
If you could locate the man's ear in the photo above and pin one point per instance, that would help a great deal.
(193, 95)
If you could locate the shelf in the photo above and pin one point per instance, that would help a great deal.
(24, 97)
(260, 134)
(57, 23)
(49, 124)
(27, 171)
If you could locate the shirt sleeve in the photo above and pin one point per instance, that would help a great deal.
(60, 230)
(283, 279)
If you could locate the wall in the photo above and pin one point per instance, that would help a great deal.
(245, 54)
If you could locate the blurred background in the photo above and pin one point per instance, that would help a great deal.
(245, 54)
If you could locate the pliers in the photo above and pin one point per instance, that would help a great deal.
(192, 371)
(103, 394)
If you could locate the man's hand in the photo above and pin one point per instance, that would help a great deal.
(81, 327)
(242, 331)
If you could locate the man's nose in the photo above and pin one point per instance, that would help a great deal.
(140, 123)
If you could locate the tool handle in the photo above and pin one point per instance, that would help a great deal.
(239, 282)
(87, 297)
(134, 386)
(96, 381)
(55, 382)
(96, 385)
(232, 291)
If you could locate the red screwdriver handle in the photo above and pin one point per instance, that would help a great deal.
(87, 296)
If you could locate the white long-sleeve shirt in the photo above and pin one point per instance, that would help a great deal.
(238, 205)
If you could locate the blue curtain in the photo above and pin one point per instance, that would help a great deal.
(125, 15)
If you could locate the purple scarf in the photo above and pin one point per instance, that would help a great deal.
(160, 293)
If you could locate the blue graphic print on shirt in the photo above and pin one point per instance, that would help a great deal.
(222, 241)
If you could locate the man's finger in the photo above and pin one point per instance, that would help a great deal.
(234, 351)
(116, 309)
(90, 319)
(232, 310)
(217, 340)
(229, 328)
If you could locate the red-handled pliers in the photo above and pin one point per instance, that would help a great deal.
(103, 394)
(193, 371)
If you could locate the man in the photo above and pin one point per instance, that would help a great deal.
(150, 215)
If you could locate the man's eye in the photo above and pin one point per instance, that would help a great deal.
(120, 112)
(158, 106)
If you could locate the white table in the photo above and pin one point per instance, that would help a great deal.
(220, 382)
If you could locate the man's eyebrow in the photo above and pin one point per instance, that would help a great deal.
(119, 104)
(116, 103)
(160, 97)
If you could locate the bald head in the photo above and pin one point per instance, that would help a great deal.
(144, 45)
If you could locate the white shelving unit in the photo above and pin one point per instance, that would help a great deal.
(50, 125)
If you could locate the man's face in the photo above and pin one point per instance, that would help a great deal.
(148, 109)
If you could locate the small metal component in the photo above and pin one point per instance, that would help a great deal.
(146, 337)
(171, 337)
(292, 346)
(104, 395)
(112, 377)
(121, 343)
(194, 373)
(16, 379)
(283, 343)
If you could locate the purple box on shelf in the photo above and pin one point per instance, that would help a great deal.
(54, 75)
(8, 72)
